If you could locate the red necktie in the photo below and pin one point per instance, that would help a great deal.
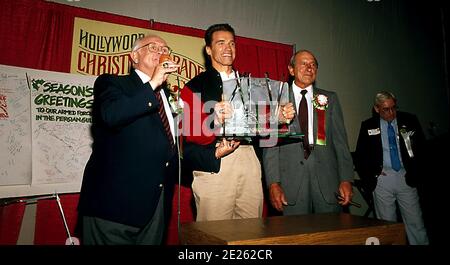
(303, 120)
(163, 116)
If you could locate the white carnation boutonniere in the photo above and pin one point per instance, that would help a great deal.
(177, 105)
(175, 101)
(406, 135)
(320, 102)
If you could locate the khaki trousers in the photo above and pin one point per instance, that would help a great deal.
(234, 192)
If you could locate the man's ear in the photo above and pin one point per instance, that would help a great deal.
(377, 110)
(134, 57)
(208, 50)
(291, 70)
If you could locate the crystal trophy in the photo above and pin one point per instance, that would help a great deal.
(256, 103)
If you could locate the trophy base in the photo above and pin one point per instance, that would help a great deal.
(261, 135)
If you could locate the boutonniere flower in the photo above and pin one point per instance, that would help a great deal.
(320, 102)
(175, 101)
(406, 135)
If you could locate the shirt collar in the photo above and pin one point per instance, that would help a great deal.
(226, 77)
(385, 122)
(298, 89)
(144, 77)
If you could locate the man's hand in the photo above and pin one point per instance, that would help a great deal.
(277, 197)
(222, 111)
(286, 113)
(346, 192)
(161, 73)
(225, 147)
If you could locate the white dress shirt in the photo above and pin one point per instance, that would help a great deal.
(309, 96)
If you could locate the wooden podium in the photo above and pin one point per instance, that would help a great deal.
(314, 229)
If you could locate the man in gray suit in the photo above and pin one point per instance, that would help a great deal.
(303, 177)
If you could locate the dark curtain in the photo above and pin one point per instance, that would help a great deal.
(35, 35)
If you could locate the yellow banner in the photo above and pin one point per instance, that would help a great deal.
(101, 47)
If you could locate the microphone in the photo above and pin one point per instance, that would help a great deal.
(340, 198)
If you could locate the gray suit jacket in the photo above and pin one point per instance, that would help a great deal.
(284, 163)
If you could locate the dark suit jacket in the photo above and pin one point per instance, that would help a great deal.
(130, 156)
(369, 150)
(284, 163)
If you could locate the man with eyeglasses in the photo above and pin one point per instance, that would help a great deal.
(128, 181)
(388, 158)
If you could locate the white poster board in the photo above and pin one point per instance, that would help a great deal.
(45, 140)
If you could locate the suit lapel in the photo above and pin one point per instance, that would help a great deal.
(401, 142)
(136, 80)
(376, 124)
(159, 121)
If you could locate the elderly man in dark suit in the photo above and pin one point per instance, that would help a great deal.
(303, 177)
(388, 158)
(128, 181)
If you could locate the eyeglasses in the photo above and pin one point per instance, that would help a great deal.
(153, 47)
(391, 109)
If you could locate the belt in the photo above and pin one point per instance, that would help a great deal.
(242, 141)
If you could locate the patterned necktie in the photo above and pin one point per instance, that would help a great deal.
(395, 160)
(303, 120)
(163, 116)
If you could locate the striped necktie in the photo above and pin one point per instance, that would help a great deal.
(163, 116)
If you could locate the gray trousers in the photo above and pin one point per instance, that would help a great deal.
(98, 231)
(393, 188)
(310, 197)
